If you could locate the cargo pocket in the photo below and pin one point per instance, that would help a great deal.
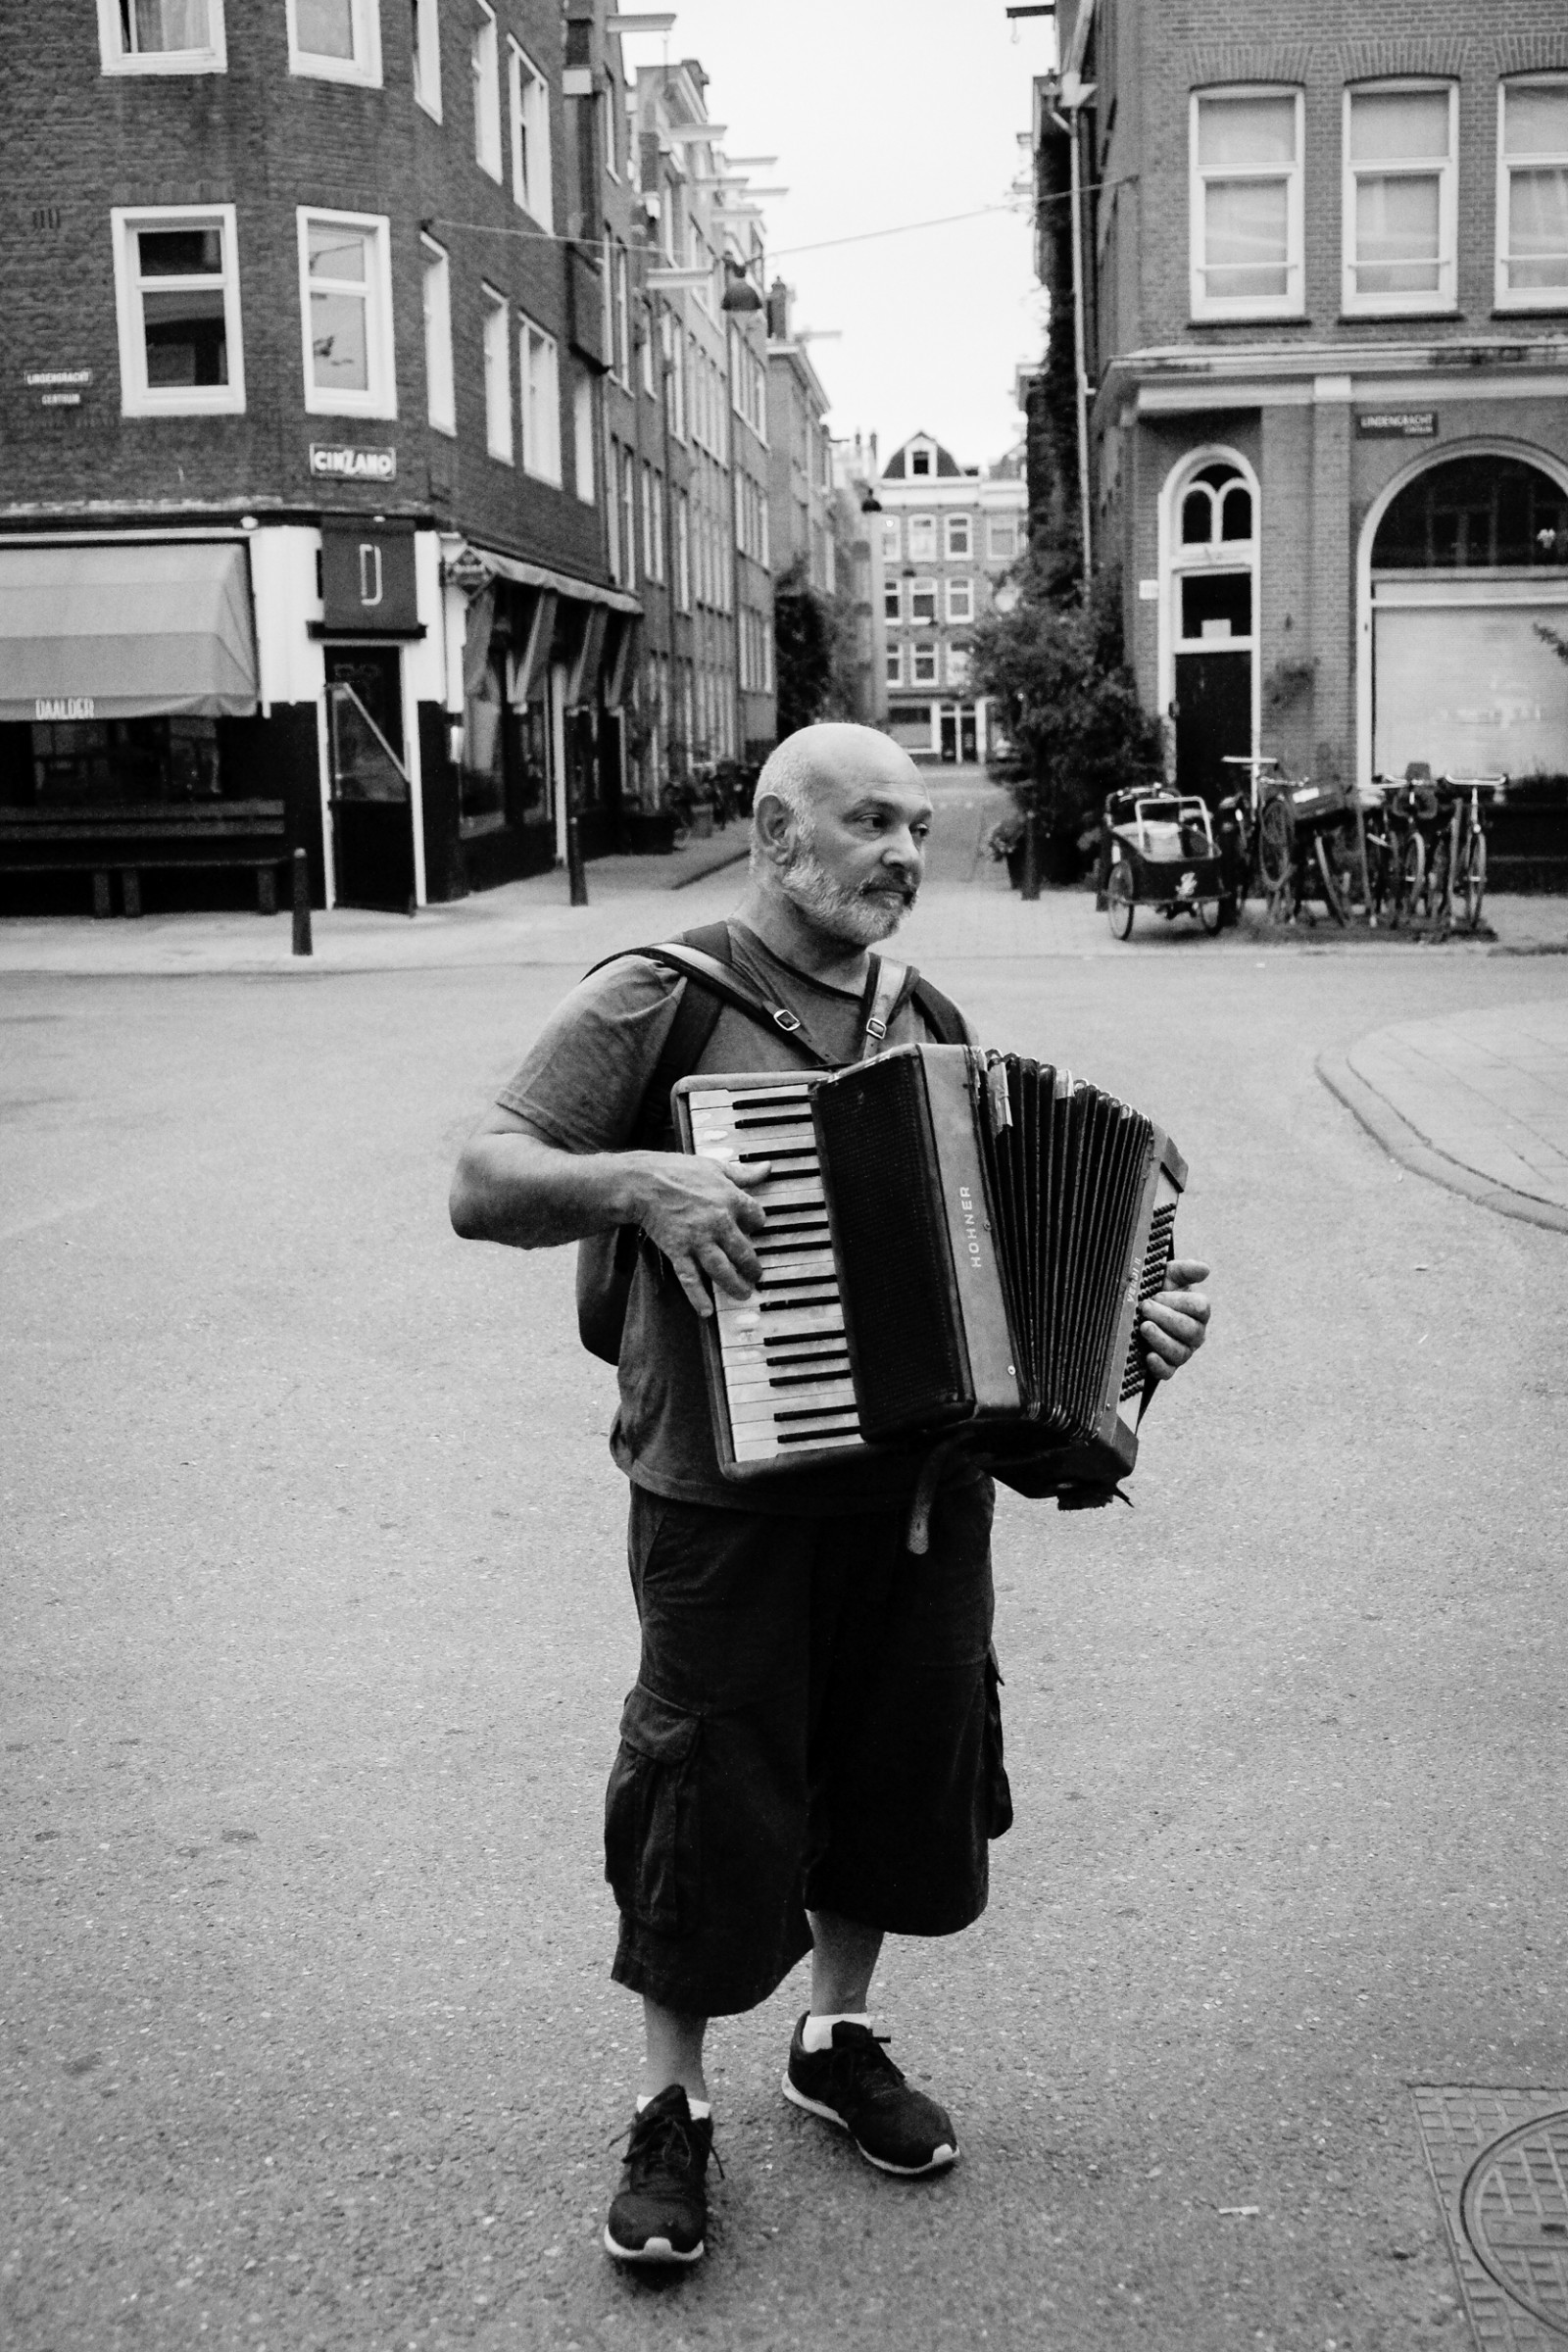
(998, 1795)
(650, 1838)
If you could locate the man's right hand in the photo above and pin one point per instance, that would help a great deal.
(698, 1213)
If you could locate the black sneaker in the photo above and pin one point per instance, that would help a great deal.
(661, 2209)
(856, 2085)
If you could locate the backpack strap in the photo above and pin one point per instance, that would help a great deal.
(939, 1013)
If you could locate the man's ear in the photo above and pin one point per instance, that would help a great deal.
(776, 827)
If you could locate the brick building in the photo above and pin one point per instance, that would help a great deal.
(1324, 276)
(950, 533)
(358, 488)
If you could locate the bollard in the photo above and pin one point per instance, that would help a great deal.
(302, 903)
(1029, 881)
(577, 872)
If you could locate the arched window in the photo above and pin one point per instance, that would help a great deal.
(1217, 508)
(1473, 514)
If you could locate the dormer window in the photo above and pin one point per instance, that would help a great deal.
(922, 459)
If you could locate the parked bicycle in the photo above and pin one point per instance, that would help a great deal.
(1470, 798)
(1395, 850)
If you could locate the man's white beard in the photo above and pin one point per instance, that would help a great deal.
(859, 917)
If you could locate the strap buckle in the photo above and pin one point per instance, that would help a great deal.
(875, 1028)
(788, 1021)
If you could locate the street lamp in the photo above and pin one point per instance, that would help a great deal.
(738, 292)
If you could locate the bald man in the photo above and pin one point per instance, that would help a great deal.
(812, 1755)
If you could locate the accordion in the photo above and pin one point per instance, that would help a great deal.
(957, 1249)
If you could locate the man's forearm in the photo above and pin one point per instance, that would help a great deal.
(532, 1196)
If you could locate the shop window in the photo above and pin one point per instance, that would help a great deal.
(922, 538)
(1399, 197)
(1475, 513)
(1533, 194)
(1217, 509)
(440, 396)
(125, 763)
(335, 40)
(1216, 607)
(957, 538)
(1002, 542)
(427, 30)
(960, 600)
(528, 99)
(176, 284)
(161, 36)
(497, 376)
(1245, 204)
(346, 298)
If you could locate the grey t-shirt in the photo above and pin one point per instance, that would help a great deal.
(582, 1087)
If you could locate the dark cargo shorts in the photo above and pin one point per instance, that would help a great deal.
(815, 1725)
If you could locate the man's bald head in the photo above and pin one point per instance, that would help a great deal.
(814, 759)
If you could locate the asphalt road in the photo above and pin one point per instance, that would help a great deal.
(316, 1633)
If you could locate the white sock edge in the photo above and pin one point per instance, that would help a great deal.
(817, 2034)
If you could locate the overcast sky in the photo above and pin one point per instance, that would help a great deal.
(883, 111)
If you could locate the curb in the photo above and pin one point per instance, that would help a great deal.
(1401, 1141)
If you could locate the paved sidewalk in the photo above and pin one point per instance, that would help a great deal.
(1477, 1100)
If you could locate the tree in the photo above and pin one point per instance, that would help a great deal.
(803, 645)
(1069, 702)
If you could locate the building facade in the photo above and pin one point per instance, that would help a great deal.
(1323, 270)
(950, 534)
(362, 483)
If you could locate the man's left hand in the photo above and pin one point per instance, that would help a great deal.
(1174, 1324)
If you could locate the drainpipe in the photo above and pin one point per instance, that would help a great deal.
(1068, 122)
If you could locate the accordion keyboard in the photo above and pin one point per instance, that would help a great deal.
(785, 1356)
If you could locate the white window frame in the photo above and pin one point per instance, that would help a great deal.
(497, 347)
(137, 397)
(955, 663)
(956, 528)
(922, 528)
(1001, 522)
(541, 426)
(921, 591)
(532, 167)
(1425, 299)
(620, 260)
(894, 676)
(626, 492)
(961, 599)
(1526, 298)
(115, 58)
(928, 451)
(484, 74)
(892, 599)
(917, 654)
(891, 539)
(1292, 304)
(440, 391)
(584, 438)
(427, 56)
(364, 67)
(683, 553)
(380, 396)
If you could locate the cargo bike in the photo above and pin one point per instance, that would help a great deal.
(1159, 851)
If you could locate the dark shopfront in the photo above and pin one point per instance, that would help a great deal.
(543, 671)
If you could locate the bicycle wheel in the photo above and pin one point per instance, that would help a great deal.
(1475, 879)
(1119, 901)
(1440, 881)
(1332, 878)
(1276, 843)
(1209, 917)
(1412, 877)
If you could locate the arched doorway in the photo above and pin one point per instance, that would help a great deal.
(1209, 613)
(1465, 565)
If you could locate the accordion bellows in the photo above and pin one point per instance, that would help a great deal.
(957, 1246)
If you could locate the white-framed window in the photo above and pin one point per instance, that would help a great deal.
(922, 538)
(440, 396)
(924, 669)
(960, 600)
(1533, 193)
(645, 349)
(497, 376)
(1245, 204)
(891, 539)
(485, 65)
(177, 294)
(346, 307)
(1401, 197)
(335, 40)
(1002, 538)
(652, 525)
(541, 402)
(683, 553)
(923, 460)
(528, 99)
(613, 513)
(426, 31)
(959, 538)
(895, 666)
(958, 666)
(161, 36)
(923, 604)
(622, 274)
(628, 514)
(582, 441)
(890, 599)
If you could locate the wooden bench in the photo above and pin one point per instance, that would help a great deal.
(159, 838)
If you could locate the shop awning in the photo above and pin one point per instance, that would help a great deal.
(561, 583)
(126, 631)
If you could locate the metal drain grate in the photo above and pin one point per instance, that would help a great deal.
(1499, 2164)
